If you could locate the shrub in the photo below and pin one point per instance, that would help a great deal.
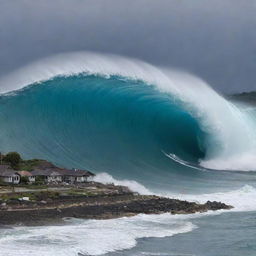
(39, 180)
(2, 183)
(24, 180)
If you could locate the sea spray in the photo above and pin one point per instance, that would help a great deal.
(106, 178)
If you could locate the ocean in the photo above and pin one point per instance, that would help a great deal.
(152, 129)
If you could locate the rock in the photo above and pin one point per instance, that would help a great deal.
(217, 205)
(100, 206)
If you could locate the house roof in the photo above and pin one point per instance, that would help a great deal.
(48, 169)
(5, 167)
(75, 172)
(46, 172)
(6, 171)
(25, 173)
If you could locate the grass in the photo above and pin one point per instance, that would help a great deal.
(32, 186)
(29, 165)
(27, 186)
(16, 196)
(44, 195)
(26, 165)
(34, 196)
(77, 192)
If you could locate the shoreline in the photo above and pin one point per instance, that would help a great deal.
(37, 192)
(105, 202)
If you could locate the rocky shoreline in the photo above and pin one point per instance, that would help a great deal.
(93, 201)
(37, 192)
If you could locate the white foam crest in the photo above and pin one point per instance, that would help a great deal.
(90, 237)
(133, 185)
(231, 132)
(83, 62)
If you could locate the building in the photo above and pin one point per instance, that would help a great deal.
(29, 175)
(58, 175)
(50, 175)
(75, 175)
(8, 175)
(45, 172)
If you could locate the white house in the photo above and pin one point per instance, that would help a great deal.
(48, 175)
(75, 175)
(8, 175)
(53, 174)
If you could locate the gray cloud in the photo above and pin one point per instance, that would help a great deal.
(212, 39)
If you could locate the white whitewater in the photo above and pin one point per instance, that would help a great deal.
(89, 237)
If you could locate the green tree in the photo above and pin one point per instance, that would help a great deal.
(12, 158)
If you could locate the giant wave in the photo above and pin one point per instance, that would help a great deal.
(149, 127)
(109, 113)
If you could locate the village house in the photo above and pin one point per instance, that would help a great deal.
(75, 175)
(50, 175)
(53, 174)
(31, 178)
(8, 175)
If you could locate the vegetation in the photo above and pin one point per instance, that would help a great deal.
(29, 165)
(44, 195)
(16, 196)
(12, 158)
(28, 186)
(24, 180)
(33, 196)
(80, 192)
(16, 162)
(2, 183)
(39, 180)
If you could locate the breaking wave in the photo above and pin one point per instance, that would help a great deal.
(124, 117)
(135, 125)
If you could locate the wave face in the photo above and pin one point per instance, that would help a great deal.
(154, 130)
(126, 117)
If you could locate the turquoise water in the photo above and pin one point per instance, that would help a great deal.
(114, 125)
(188, 144)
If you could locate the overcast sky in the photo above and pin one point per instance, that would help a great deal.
(214, 39)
